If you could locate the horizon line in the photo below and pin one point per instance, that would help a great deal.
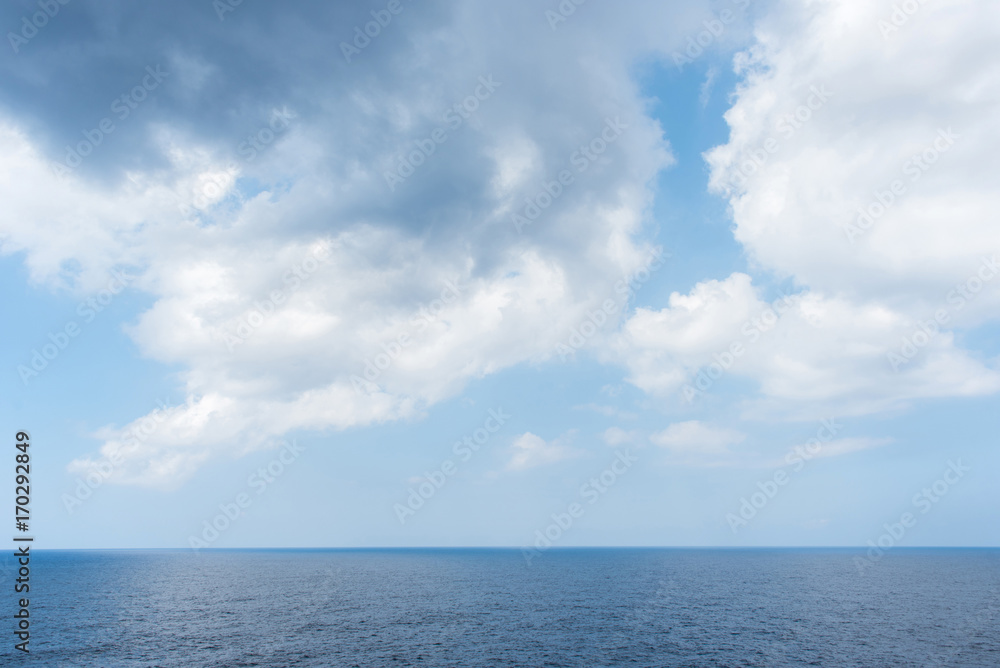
(550, 549)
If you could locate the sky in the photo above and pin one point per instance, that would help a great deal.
(420, 273)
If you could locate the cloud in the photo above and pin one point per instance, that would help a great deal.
(810, 354)
(846, 446)
(606, 410)
(214, 208)
(705, 90)
(855, 134)
(833, 448)
(616, 436)
(697, 438)
(213, 230)
(530, 451)
(664, 348)
(883, 213)
(880, 216)
(817, 132)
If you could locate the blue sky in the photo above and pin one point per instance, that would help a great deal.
(266, 262)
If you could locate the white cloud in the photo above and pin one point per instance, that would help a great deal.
(606, 410)
(529, 451)
(825, 121)
(664, 348)
(392, 254)
(811, 355)
(792, 213)
(211, 233)
(616, 436)
(697, 438)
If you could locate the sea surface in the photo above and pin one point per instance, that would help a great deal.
(483, 607)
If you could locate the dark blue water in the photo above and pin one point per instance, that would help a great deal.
(473, 608)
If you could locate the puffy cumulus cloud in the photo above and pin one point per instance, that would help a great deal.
(529, 451)
(810, 354)
(261, 146)
(858, 166)
(695, 437)
(830, 353)
(262, 149)
(664, 349)
(859, 157)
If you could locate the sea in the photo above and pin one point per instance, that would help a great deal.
(494, 607)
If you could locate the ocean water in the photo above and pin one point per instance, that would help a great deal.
(478, 607)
